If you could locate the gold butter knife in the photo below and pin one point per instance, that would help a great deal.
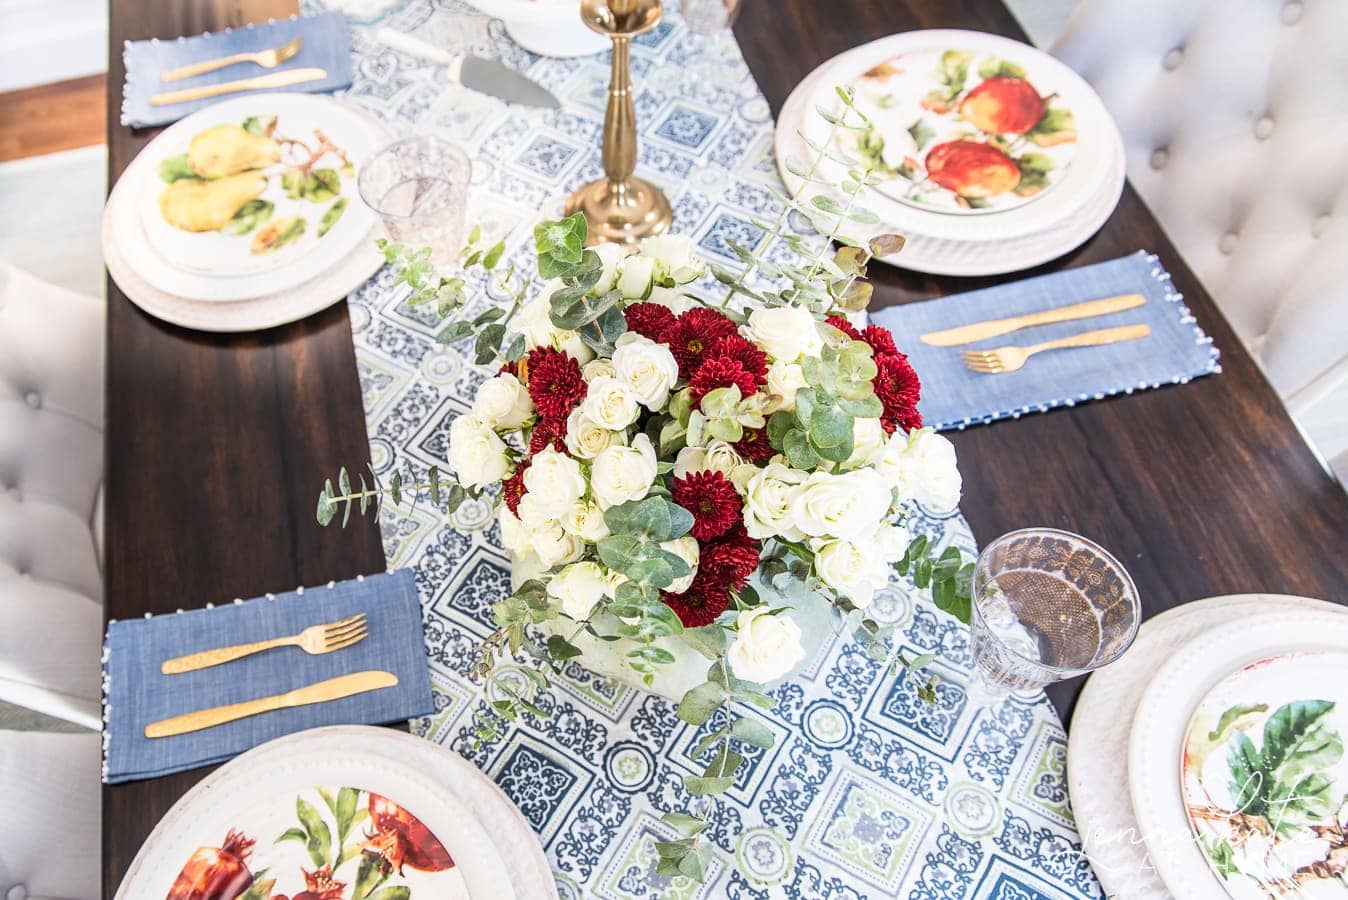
(322, 692)
(257, 82)
(966, 334)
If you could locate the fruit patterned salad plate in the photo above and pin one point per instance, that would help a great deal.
(260, 192)
(332, 814)
(1265, 777)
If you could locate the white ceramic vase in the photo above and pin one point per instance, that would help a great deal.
(811, 612)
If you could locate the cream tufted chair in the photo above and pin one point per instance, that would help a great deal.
(1233, 112)
(51, 469)
(49, 838)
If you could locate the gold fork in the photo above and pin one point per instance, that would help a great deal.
(314, 640)
(1008, 359)
(267, 59)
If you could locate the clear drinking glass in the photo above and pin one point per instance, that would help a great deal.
(709, 17)
(1047, 605)
(419, 188)
(710, 22)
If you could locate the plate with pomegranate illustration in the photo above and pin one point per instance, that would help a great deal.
(338, 814)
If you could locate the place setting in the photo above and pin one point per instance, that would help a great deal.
(665, 477)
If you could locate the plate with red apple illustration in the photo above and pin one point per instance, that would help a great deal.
(331, 814)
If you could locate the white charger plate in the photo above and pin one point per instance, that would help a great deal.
(1097, 744)
(218, 268)
(1156, 742)
(496, 853)
(990, 244)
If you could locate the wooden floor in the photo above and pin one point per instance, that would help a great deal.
(53, 117)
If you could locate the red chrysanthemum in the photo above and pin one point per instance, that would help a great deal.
(510, 368)
(733, 346)
(880, 339)
(548, 433)
(691, 335)
(897, 386)
(649, 319)
(712, 500)
(513, 489)
(555, 382)
(719, 372)
(844, 326)
(704, 600)
(755, 446)
(731, 559)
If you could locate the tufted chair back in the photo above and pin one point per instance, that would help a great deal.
(1235, 117)
(51, 469)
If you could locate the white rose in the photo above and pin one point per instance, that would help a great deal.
(846, 506)
(931, 470)
(785, 333)
(555, 482)
(611, 255)
(598, 368)
(586, 438)
(513, 535)
(502, 402)
(785, 379)
(686, 549)
(854, 570)
(717, 456)
(768, 498)
(586, 521)
(868, 438)
(646, 367)
(476, 453)
(620, 474)
(534, 322)
(672, 299)
(610, 403)
(674, 258)
(531, 515)
(554, 546)
(892, 541)
(766, 646)
(578, 588)
(634, 277)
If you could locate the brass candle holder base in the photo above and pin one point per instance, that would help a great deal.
(621, 212)
(621, 208)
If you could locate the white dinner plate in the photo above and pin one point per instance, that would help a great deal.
(938, 242)
(213, 266)
(1097, 744)
(1265, 776)
(256, 313)
(261, 795)
(1156, 742)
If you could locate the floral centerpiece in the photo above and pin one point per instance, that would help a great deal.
(694, 491)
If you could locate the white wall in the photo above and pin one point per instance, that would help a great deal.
(42, 41)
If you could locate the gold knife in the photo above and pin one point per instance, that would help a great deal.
(257, 82)
(322, 692)
(966, 334)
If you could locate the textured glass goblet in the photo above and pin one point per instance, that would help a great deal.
(419, 188)
(1047, 605)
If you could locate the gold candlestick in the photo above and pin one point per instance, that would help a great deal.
(619, 207)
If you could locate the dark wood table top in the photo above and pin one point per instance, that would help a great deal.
(215, 444)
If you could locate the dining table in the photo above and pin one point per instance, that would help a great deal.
(217, 444)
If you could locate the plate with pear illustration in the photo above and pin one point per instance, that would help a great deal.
(1265, 777)
(254, 185)
(963, 130)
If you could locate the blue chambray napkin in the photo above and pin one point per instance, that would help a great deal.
(1176, 351)
(135, 693)
(327, 44)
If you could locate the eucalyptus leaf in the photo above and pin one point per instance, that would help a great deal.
(698, 705)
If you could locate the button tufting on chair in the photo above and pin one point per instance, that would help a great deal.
(51, 460)
(1243, 123)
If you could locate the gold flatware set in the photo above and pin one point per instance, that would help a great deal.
(267, 59)
(314, 640)
(1000, 360)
